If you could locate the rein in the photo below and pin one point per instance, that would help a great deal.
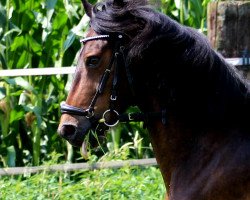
(117, 59)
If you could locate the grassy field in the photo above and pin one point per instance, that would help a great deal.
(107, 184)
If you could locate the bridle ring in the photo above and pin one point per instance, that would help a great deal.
(105, 121)
(90, 113)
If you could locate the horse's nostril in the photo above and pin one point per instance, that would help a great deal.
(67, 131)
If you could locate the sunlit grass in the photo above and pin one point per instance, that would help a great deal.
(125, 183)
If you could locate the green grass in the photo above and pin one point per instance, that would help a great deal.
(124, 183)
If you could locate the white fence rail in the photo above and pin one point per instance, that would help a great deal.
(37, 71)
(77, 166)
(238, 61)
(71, 70)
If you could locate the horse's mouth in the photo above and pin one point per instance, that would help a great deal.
(77, 135)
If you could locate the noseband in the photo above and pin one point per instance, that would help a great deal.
(117, 60)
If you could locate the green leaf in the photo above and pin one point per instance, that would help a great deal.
(34, 45)
(2, 19)
(28, 20)
(16, 114)
(16, 29)
(11, 156)
(2, 93)
(60, 21)
(69, 40)
(71, 10)
(18, 42)
(50, 4)
(19, 81)
(23, 60)
(2, 60)
(197, 7)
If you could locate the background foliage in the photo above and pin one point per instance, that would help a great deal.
(45, 33)
(35, 34)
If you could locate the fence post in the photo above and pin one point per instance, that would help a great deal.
(228, 27)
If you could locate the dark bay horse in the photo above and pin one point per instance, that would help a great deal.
(194, 104)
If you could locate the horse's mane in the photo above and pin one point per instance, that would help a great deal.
(177, 48)
(142, 25)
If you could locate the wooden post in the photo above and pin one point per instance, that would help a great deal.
(228, 25)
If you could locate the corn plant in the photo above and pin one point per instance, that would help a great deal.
(34, 34)
(188, 12)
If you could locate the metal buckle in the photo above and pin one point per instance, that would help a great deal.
(130, 117)
(113, 98)
(90, 113)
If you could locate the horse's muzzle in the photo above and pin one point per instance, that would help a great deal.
(71, 134)
(76, 131)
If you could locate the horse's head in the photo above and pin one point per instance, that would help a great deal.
(101, 89)
(96, 95)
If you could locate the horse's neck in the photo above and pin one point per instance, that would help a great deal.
(171, 144)
(206, 88)
(195, 165)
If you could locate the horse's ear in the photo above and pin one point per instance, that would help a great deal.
(118, 3)
(87, 7)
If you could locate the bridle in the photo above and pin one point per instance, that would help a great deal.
(117, 61)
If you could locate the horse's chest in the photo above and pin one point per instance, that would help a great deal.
(214, 175)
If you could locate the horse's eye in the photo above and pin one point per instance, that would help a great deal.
(92, 61)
